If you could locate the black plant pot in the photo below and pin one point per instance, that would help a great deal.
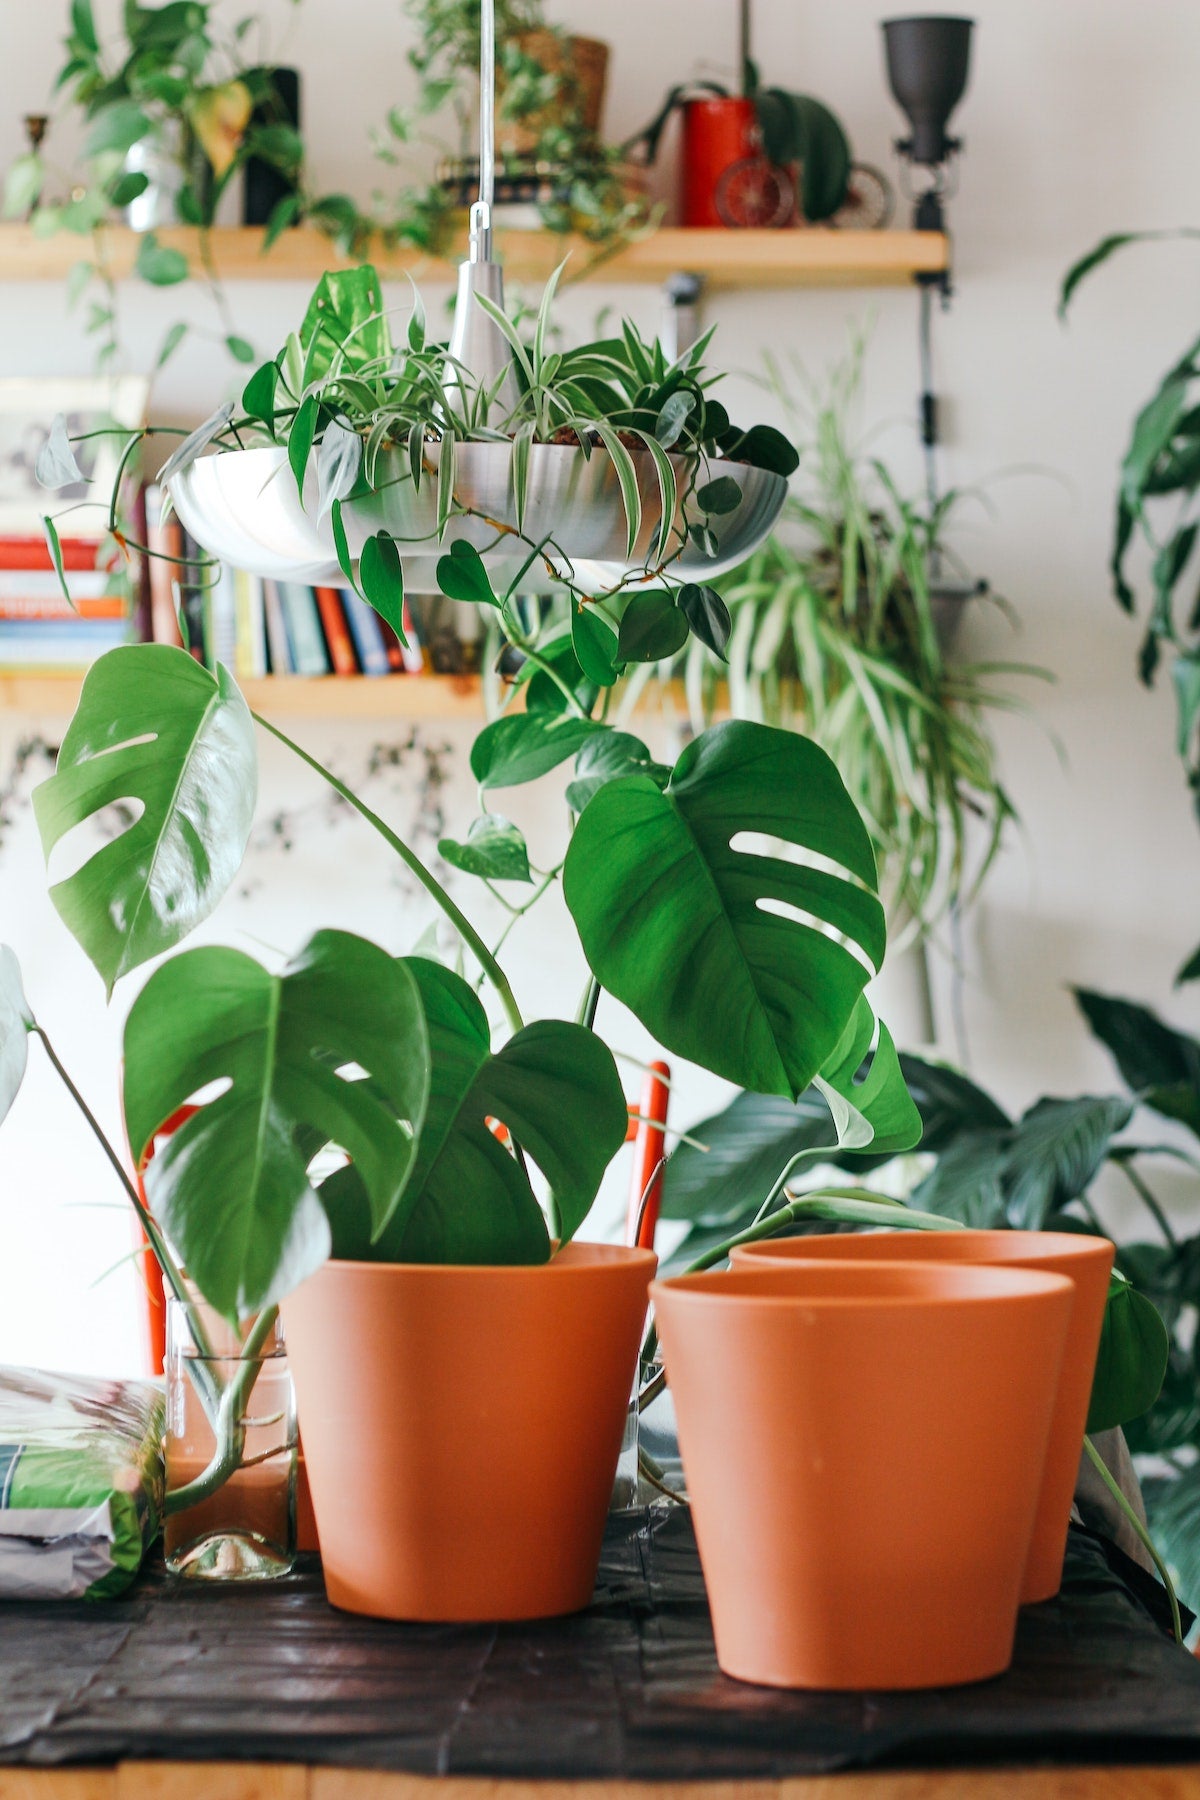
(264, 186)
(927, 64)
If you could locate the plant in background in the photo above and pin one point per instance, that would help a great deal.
(171, 102)
(838, 630)
(1158, 505)
(548, 134)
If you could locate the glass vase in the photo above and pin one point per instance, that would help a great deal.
(230, 1447)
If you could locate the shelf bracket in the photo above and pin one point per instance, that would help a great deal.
(681, 294)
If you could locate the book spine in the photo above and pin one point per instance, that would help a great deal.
(337, 632)
(367, 632)
(412, 656)
(304, 629)
(193, 579)
(220, 622)
(250, 644)
(34, 553)
(29, 606)
(278, 646)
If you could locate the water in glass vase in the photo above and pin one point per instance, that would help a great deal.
(230, 1448)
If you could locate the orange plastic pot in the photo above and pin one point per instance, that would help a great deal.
(863, 1447)
(462, 1428)
(1086, 1261)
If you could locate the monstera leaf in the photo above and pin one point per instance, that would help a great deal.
(468, 1199)
(153, 730)
(16, 1021)
(231, 1186)
(731, 956)
(871, 1106)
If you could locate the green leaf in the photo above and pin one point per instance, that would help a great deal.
(522, 746)
(345, 323)
(16, 1022)
(1099, 254)
(153, 728)
(865, 1089)
(341, 545)
(240, 349)
(117, 127)
(966, 1183)
(1056, 1149)
(1189, 970)
(284, 213)
(127, 188)
(339, 460)
(494, 850)
(1160, 1064)
(381, 577)
(196, 441)
(1185, 673)
(56, 557)
(172, 338)
(159, 264)
(461, 575)
(606, 756)
(765, 448)
(258, 395)
(720, 496)
(707, 616)
(950, 1105)
(231, 1186)
(736, 959)
(83, 26)
(652, 628)
(1132, 1361)
(672, 418)
(300, 440)
(1173, 1511)
(556, 1089)
(595, 645)
(23, 185)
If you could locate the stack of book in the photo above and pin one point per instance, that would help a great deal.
(40, 631)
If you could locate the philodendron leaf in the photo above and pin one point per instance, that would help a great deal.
(522, 746)
(333, 1049)
(555, 1089)
(494, 850)
(16, 1022)
(720, 496)
(652, 628)
(595, 646)
(155, 730)
(1134, 1346)
(461, 575)
(607, 755)
(707, 616)
(345, 323)
(56, 466)
(381, 577)
(733, 957)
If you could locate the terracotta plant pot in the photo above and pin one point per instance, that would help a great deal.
(863, 1448)
(462, 1428)
(1086, 1261)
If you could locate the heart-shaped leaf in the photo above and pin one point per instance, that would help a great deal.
(765, 448)
(1134, 1346)
(652, 628)
(607, 755)
(231, 1186)
(381, 577)
(156, 730)
(300, 440)
(720, 496)
(160, 264)
(56, 465)
(258, 395)
(494, 850)
(16, 1022)
(553, 1086)
(522, 746)
(734, 958)
(707, 615)
(462, 576)
(595, 646)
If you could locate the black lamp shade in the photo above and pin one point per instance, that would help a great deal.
(927, 64)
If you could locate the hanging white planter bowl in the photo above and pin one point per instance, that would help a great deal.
(243, 508)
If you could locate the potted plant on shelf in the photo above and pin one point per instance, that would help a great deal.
(463, 1365)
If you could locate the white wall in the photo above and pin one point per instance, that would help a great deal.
(1078, 120)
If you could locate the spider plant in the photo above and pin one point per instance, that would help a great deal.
(838, 630)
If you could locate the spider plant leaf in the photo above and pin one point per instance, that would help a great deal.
(543, 322)
(519, 469)
(752, 965)
(627, 477)
(416, 452)
(339, 461)
(513, 337)
(668, 495)
(446, 479)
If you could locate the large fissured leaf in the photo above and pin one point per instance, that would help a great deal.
(15, 1022)
(468, 1199)
(154, 729)
(231, 1186)
(730, 957)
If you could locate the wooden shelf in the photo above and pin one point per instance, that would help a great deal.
(347, 697)
(726, 259)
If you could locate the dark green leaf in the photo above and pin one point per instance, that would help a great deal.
(172, 338)
(704, 941)
(1056, 1149)
(127, 188)
(652, 628)
(765, 448)
(300, 440)
(258, 395)
(1190, 970)
(381, 576)
(949, 1104)
(494, 850)
(720, 496)
(1132, 1360)
(607, 755)
(966, 1182)
(151, 727)
(231, 1185)
(117, 128)
(1099, 254)
(283, 214)
(240, 349)
(1173, 1509)
(83, 26)
(595, 646)
(461, 575)
(341, 545)
(707, 616)
(522, 746)
(159, 264)
(1160, 1064)
(56, 557)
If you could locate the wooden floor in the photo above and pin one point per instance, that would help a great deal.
(250, 1781)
